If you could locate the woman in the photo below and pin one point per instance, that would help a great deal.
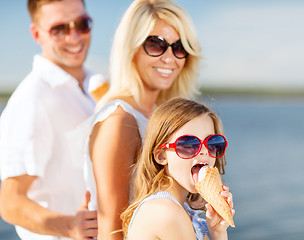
(155, 56)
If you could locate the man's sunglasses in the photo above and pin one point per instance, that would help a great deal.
(155, 46)
(188, 146)
(60, 31)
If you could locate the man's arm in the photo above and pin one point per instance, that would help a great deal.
(18, 209)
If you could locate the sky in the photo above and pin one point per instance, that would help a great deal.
(245, 43)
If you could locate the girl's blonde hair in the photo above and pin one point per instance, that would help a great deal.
(135, 26)
(166, 120)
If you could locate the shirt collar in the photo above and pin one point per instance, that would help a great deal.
(53, 74)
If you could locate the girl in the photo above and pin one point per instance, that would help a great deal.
(166, 173)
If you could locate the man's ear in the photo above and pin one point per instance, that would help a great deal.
(160, 157)
(35, 32)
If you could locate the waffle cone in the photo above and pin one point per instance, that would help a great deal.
(210, 188)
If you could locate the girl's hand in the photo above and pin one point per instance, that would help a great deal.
(217, 226)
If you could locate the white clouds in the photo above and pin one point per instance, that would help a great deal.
(254, 46)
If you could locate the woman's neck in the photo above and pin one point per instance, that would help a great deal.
(147, 100)
(147, 105)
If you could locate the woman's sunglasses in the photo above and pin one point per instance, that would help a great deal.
(60, 31)
(189, 146)
(155, 46)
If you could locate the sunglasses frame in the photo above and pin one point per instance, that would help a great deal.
(202, 142)
(167, 46)
(69, 26)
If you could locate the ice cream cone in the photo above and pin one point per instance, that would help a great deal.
(99, 91)
(98, 86)
(209, 186)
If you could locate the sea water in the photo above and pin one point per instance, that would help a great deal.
(265, 163)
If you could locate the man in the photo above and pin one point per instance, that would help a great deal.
(42, 181)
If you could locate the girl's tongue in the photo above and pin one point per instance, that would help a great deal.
(198, 172)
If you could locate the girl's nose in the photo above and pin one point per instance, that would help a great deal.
(204, 151)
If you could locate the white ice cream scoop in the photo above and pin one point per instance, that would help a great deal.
(202, 173)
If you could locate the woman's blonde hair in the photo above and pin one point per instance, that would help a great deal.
(135, 26)
(166, 120)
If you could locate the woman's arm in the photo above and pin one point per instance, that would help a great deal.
(114, 146)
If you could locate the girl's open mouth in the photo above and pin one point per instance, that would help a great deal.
(195, 169)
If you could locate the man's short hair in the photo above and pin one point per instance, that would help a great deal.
(34, 6)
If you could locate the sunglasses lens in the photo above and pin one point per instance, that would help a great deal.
(59, 31)
(178, 50)
(155, 46)
(187, 146)
(83, 25)
(216, 146)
